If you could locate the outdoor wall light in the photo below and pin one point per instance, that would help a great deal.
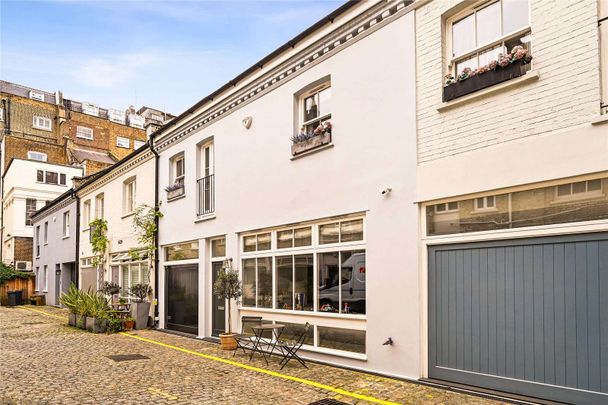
(386, 190)
(388, 342)
(247, 122)
(227, 264)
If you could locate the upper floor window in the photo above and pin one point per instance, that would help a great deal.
(446, 207)
(99, 200)
(123, 142)
(66, 224)
(90, 109)
(206, 182)
(37, 156)
(1, 114)
(30, 208)
(46, 232)
(117, 116)
(38, 241)
(43, 123)
(138, 144)
(49, 177)
(315, 109)
(480, 34)
(254, 243)
(84, 132)
(86, 214)
(129, 196)
(485, 203)
(177, 169)
(579, 189)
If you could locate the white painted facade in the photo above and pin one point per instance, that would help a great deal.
(20, 184)
(259, 186)
(106, 196)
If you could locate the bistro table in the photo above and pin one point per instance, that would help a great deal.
(258, 330)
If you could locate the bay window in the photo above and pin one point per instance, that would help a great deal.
(480, 34)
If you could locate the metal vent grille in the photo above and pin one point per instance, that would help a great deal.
(127, 357)
(328, 401)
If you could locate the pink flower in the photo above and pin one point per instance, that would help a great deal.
(504, 60)
(492, 65)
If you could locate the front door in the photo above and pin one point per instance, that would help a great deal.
(182, 298)
(57, 283)
(219, 309)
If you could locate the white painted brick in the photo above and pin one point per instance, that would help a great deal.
(565, 51)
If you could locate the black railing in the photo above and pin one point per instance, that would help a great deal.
(206, 195)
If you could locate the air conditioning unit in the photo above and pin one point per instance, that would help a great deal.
(36, 95)
(23, 266)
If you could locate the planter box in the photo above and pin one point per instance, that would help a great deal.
(96, 325)
(175, 193)
(140, 312)
(81, 321)
(72, 319)
(483, 81)
(312, 143)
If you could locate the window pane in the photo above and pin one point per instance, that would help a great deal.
(329, 274)
(182, 251)
(265, 282)
(514, 15)
(488, 56)
(293, 330)
(467, 63)
(440, 207)
(325, 102)
(342, 339)
(490, 201)
(311, 109)
(353, 282)
(218, 247)
(285, 239)
(304, 282)
(564, 189)
(480, 203)
(249, 282)
(453, 205)
(463, 35)
(39, 175)
(264, 241)
(62, 179)
(51, 178)
(303, 237)
(594, 185)
(249, 243)
(284, 282)
(579, 187)
(488, 24)
(125, 280)
(329, 233)
(351, 230)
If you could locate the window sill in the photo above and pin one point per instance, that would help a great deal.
(312, 151)
(42, 129)
(65, 237)
(179, 197)
(530, 76)
(130, 214)
(599, 120)
(203, 218)
(335, 352)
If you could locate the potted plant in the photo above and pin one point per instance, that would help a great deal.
(140, 309)
(83, 309)
(305, 141)
(71, 300)
(228, 287)
(97, 321)
(127, 323)
(115, 325)
(111, 289)
(174, 190)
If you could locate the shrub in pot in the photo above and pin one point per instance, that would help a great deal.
(127, 323)
(71, 300)
(140, 309)
(227, 286)
(115, 325)
(112, 290)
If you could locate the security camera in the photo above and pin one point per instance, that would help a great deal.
(386, 190)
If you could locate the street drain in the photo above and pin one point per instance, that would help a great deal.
(33, 323)
(328, 401)
(127, 357)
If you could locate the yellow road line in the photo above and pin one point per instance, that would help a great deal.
(44, 313)
(248, 367)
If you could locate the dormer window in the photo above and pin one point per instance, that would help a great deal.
(32, 155)
(43, 123)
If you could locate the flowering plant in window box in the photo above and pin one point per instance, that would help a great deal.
(304, 141)
(175, 190)
(507, 66)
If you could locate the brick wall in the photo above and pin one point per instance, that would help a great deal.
(24, 249)
(565, 51)
(17, 147)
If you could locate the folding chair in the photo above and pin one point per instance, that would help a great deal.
(246, 339)
(290, 348)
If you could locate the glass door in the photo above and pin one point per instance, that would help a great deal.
(182, 298)
(219, 305)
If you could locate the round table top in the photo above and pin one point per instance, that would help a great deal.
(268, 326)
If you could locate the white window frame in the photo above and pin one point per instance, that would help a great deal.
(485, 207)
(37, 274)
(454, 59)
(66, 224)
(301, 100)
(447, 207)
(83, 132)
(45, 278)
(36, 95)
(175, 177)
(129, 195)
(42, 123)
(46, 233)
(131, 269)
(86, 214)
(31, 155)
(99, 206)
(1, 114)
(123, 142)
(579, 196)
(90, 109)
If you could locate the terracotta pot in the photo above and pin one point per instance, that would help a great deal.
(128, 325)
(228, 341)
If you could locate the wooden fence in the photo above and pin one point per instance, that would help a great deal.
(24, 284)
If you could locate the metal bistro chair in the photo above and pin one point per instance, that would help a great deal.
(290, 348)
(246, 339)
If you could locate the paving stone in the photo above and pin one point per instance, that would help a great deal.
(44, 361)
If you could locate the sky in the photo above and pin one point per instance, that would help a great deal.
(160, 53)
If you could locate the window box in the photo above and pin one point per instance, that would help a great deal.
(312, 143)
(482, 81)
(174, 191)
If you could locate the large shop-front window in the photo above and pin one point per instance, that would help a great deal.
(556, 204)
(342, 282)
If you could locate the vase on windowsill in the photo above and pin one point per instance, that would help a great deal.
(174, 191)
(310, 144)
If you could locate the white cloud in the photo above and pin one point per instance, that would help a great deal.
(112, 71)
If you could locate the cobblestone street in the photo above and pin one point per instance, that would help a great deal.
(43, 361)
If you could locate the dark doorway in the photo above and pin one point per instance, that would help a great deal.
(182, 298)
(219, 309)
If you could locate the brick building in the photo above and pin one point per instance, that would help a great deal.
(45, 127)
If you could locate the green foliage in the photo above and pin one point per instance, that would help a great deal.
(228, 286)
(8, 273)
(110, 288)
(144, 223)
(85, 303)
(141, 291)
(99, 241)
(114, 325)
(71, 299)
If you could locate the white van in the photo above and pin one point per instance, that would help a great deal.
(352, 286)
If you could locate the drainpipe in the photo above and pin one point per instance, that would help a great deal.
(6, 104)
(77, 261)
(156, 220)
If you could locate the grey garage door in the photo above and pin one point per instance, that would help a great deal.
(528, 316)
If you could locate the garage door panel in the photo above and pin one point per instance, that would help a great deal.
(529, 310)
